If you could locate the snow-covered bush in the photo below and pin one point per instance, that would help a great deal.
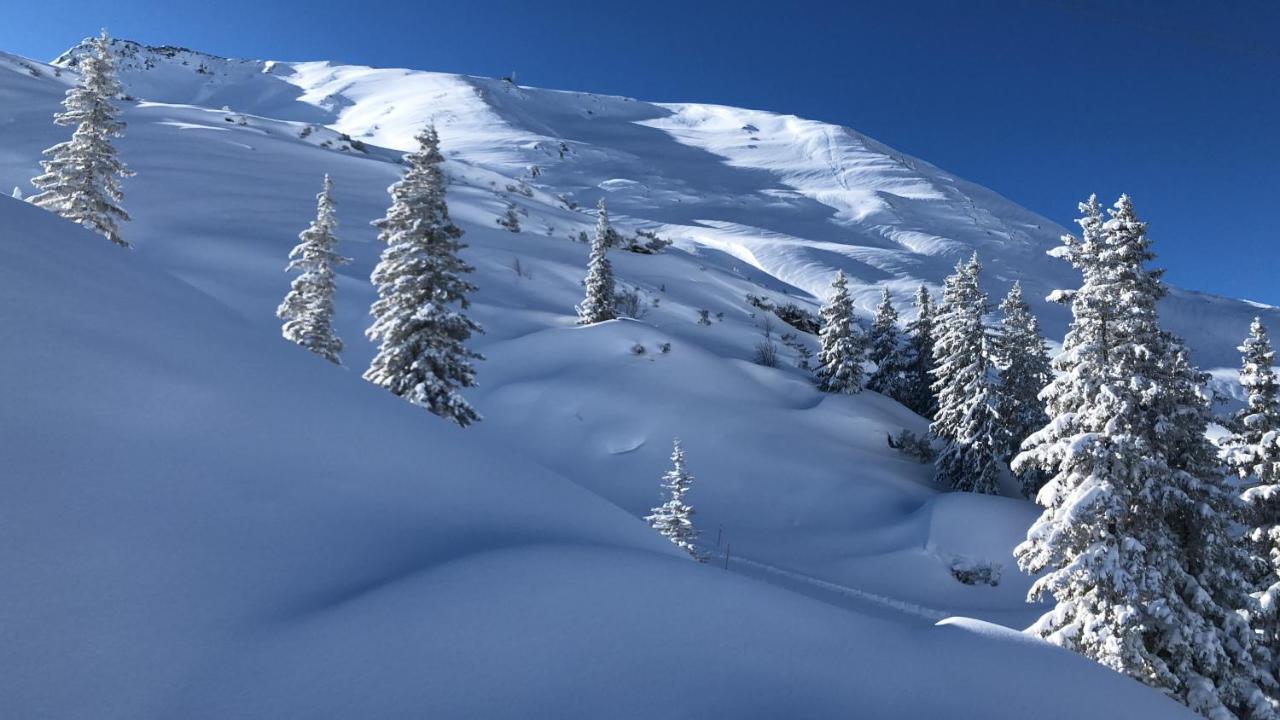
(510, 220)
(912, 445)
(975, 571)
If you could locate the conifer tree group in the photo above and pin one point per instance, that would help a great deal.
(81, 178)
(308, 308)
(1135, 543)
(843, 347)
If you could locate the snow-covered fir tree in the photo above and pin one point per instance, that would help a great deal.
(843, 349)
(1253, 453)
(81, 178)
(967, 388)
(598, 305)
(1253, 448)
(419, 316)
(917, 380)
(307, 309)
(604, 229)
(1134, 542)
(674, 517)
(886, 350)
(1023, 359)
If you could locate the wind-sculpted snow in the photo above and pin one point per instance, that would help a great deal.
(200, 519)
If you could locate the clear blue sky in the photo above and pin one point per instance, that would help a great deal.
(1175, 102)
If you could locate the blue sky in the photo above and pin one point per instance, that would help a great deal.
(1044, 101)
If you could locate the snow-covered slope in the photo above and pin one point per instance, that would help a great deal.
(199, 521)
(203, 520)
(789, 200)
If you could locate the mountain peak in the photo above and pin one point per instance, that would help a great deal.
(133, 56)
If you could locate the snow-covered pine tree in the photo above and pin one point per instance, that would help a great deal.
(673, 519)
(422, 293)
(917, 387)
(81, 178)
(604, 229)
(1133, 543)
(843, 348)
(598, 305)
(1023, 359)
(307, 309)
(966, 386)
(1253, 453)
(886, 351)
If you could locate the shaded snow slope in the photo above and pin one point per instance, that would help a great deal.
(231, 523)
(197, 521)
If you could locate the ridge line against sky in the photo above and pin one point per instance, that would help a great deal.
(1043, 101)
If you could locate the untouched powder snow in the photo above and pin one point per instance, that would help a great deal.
(199, 519)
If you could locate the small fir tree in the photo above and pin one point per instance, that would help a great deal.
(604, 229)
(917, 388)
(81, 179)
(842, 349)
(598, 305)
(673, 519)
(419, 316)
(886, 351)
(1252, 449)
(307, 310)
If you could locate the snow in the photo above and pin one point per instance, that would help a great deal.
(200, 519)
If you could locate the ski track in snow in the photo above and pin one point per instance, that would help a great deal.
(825, 590)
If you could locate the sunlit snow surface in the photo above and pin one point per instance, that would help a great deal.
(198, 519)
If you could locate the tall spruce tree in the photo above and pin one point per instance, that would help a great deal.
(81, 178)
(673, 519)
(1253, 453)
(917, 390)
(598, 305)
(1133, 544)
(967, 388)
(1023, 358)
(842, 350)
(886, 351)
(307, 309)
(419, 315)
